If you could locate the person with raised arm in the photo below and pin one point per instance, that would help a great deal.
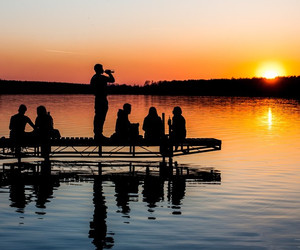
(99, 86)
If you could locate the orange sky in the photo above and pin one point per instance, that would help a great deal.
(61, 40)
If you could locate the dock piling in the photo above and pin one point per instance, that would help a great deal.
(99, 168)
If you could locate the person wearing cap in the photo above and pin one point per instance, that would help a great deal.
(99, 86)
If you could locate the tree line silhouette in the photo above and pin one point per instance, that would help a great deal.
(253, 87)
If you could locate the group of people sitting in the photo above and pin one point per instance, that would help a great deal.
(42, 128)
(152, 126)
(125, 131)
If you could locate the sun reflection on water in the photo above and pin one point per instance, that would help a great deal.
(267, 119)
(270, 118)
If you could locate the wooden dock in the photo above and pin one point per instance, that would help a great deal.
(86, 147)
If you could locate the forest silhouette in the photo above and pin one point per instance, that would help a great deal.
(288, 87)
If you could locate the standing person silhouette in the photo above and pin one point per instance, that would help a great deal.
(99, 86)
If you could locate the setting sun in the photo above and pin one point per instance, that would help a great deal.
(270, 70)
(270, 74)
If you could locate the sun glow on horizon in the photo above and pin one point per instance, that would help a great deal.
(270, 74)
(270, 70)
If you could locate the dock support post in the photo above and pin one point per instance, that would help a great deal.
(132, 150)
(131, 168)
(177, 171)
(38, 167)
(46, 167)
(19, 161)
(170, 165)
(100, 150)
(170, 162)
(170, 155)
(99, 168)
(163, 122)
(163, 154)
(162, 168)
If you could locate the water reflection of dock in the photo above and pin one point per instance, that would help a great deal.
(26, 187)
(106, 170)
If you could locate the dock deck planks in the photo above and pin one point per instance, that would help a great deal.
(87, 147)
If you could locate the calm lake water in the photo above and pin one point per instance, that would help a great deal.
(256, 205)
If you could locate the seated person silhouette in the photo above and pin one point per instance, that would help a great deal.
(43, 123)
(177, 126)
(18, 123)
(43, 129)
(125, 130)
(153, 126)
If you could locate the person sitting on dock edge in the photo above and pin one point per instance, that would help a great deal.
(99, 87)
(18, 123)
(177, 126)
(153, 126)
(43, 129)
(125, 130)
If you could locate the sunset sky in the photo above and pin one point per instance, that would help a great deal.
(61, 40)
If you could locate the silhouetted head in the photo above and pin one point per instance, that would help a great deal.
(98, 68)
(177, 111)
(153, 111)
(22, 109)
(127, 108)
(41, 110)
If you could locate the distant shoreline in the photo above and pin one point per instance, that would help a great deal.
(287, 87)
